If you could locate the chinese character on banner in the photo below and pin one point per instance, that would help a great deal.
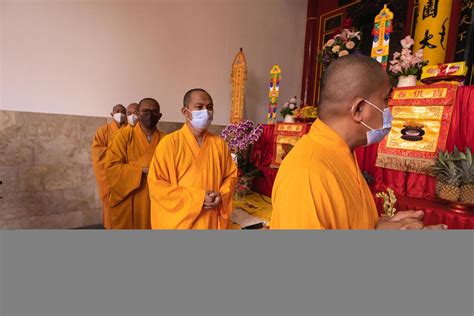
(465, 22)
(430, 9)
(432, 29)
(425, 41)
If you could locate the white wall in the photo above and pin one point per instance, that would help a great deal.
(83, 56)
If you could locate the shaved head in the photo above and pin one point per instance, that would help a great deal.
(119, 108)
(148, 103)
(189, 94)
(347, 78)
(132, 108)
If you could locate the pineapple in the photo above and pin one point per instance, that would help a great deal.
(467, 172)
(449, 176)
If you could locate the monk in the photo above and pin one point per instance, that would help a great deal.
(319, 184)
(127, 163)
(102, 139)
(132, 114)
(192, 174)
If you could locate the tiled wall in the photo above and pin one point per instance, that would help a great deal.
(46, 171)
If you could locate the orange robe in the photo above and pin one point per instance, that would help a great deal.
(180, 174)
(100, 143)
(129, 153)
(319, 186)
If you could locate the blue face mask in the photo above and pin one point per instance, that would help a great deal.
(202, 119)
(376, 135)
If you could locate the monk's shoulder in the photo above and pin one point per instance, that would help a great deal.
(309, 157)
(125, 132)
(170, 140)
(102, 129)
(161, 133)
(216, 139)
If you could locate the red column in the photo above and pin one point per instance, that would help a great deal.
(309, 53)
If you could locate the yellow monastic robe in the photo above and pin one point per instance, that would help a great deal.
(319, 186)
(100, 143)
(129, 153)
(180, 174)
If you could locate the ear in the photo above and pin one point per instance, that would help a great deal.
(356, 109)
(183, 111)
(159, 116)
(112, 114)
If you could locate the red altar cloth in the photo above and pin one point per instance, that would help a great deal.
(414, 191)
(436, 212)
(419, 185)
(262, 155)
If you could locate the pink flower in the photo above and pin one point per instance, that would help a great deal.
(343, 53)
(336, 49)
(396, 55)
(407, 42)
(330, 42)
(350, 45)
(395, 68)
(419, 53)
(345, 34)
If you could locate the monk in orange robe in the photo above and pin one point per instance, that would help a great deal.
(127, 163)
(132, 114)
(192, 174)
(319, 184)
(101, 141)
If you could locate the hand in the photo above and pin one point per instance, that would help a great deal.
(213, 200)
(145, 171)
(436, 227)
(402, 220)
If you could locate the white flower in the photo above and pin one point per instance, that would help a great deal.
(336, 49)
(350, 45)
(330, 42)
(343, 53)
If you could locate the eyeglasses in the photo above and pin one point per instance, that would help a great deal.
(146, 112)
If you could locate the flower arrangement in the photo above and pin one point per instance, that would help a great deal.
(389, 200)
(306, 113)
(290, 107)
(407, 63)
(240, 139)
(344, 43)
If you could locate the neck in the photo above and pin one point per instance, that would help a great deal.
(341, 128)
(148, 131)
(199, 135)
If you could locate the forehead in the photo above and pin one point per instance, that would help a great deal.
(132, 107)
(150, 105)
(200, 97)
(118, 108)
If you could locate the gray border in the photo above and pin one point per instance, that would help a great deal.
(236, 273)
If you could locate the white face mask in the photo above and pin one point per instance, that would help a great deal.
(202, 119)
(119, 118)
(132, 119)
